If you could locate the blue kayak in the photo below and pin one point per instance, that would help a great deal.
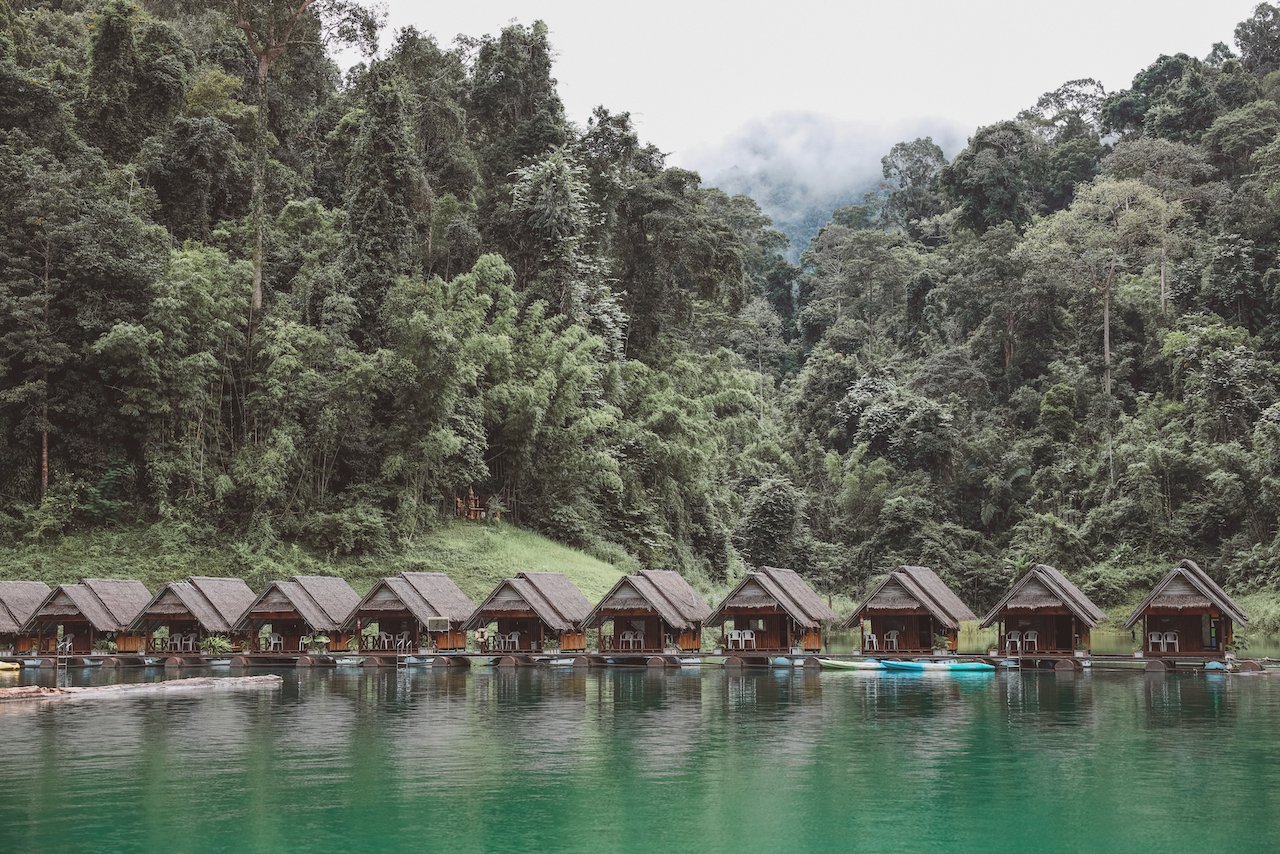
(946, 666)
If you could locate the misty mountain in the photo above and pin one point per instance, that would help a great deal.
(799, 167)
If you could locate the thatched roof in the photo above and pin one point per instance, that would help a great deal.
(660, 590)
(18, 601)
(109, 604)
(772, 588)
(550, 595)
(322, 601)
(1188, 587)
(1045, 587)
(215, 603)
(422, 594)
(229, 596)
(909, 588)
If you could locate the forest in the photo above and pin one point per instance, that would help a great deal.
(264, 305)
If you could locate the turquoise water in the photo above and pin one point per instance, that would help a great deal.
(612, 760)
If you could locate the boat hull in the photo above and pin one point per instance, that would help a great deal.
(941, 666)
(865, 664)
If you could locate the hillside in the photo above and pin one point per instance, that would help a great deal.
(292, 319)
(476, 556)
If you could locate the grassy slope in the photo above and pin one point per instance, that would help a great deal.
(476, 556)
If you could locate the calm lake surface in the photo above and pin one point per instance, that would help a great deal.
(630, 760)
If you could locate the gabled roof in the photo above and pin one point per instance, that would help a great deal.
(1189, 586)
(550, 595)
(324, 602)
(922, 586)
(785, 589)
(1044, 586)
(18, 600)
(423, 594)
(109, 604)
(215, 603)
(667, 592)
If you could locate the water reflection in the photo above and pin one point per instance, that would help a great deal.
(530, 759)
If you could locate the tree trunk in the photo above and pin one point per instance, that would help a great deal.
(1164, 288)
(44, 445)
(1106, 337)
(259, 184)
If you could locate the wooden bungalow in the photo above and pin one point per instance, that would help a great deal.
(413, 610)
(772, 610)
(907, 611)
(1044, 613)
(191, 610)
(650, 612)
(18, 601)
(96, 609)
(300, 607)
(532, 609)
(1187, 614)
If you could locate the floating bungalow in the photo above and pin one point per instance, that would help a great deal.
(96, 609)
(650, 612)
(908, 610)
(413, 610)
(191, 610)
(1187, 615)
(18, 601)
(532, 609)
(302, 606)
(1044, 614)
(772, 610)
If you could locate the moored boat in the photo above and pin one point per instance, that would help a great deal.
(945, 666)
(856, 664)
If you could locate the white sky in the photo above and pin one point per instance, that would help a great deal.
(695, 74)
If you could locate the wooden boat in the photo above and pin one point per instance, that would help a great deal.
(690, 662)
(943, 666)
(559, 662)
(857, 664)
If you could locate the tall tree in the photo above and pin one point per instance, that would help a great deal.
(271, 28)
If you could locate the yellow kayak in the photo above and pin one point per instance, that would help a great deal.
(10, 665)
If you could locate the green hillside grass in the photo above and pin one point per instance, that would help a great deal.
(476, 556)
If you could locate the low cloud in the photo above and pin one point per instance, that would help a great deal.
(800, 166)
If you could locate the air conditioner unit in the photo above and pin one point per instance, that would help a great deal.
(437, 624)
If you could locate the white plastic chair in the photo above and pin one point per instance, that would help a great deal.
(1013, 643)
(891, 640)
(1029, 640)
(872, 643)
(513, 641)
(275, 642)
(628, 639)
(402, 641)
(748, 636)
(1155, 639)
(384, 640)
(1171, 638)
(175, 642)
(733, 637)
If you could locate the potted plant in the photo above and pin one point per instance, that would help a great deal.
(1081, 652)
(941, 645)
(104, 645)
(317, 643)
(215, 645)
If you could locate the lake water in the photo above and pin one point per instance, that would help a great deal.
(630, 760)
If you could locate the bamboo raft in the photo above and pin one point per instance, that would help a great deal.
(135, 689)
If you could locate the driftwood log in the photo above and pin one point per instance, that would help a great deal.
(132, 689)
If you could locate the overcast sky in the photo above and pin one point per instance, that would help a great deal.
(693, 73)
(795, 102)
